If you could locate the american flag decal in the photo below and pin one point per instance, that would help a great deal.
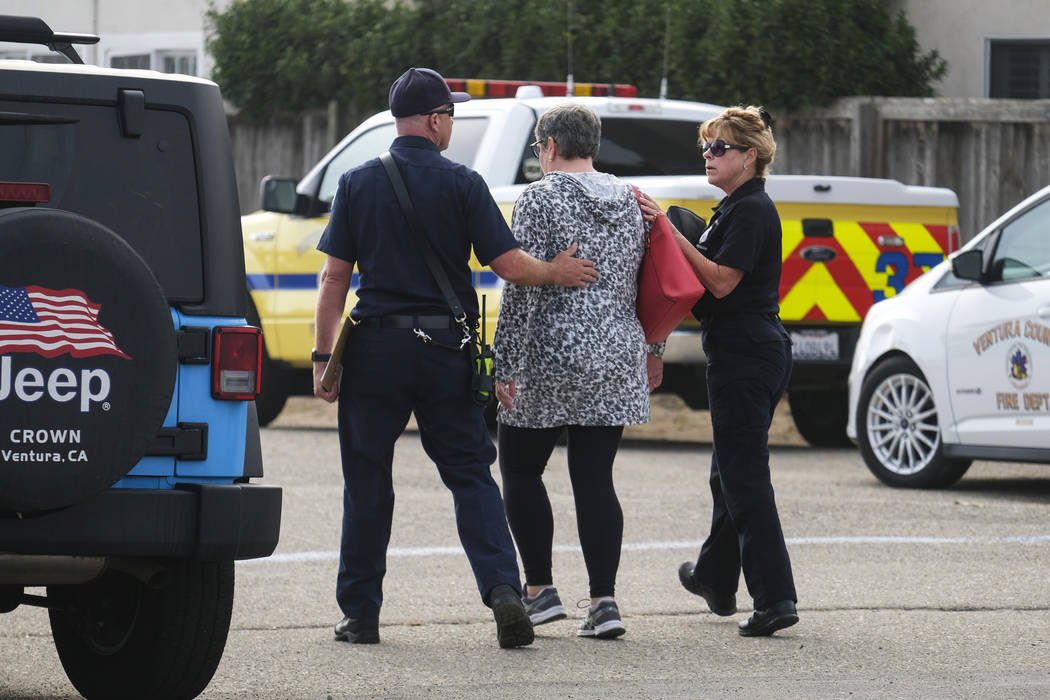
(51, 323)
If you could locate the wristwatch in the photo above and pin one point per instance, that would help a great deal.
(320, 356)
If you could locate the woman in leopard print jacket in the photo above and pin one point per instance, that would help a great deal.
(572, 359)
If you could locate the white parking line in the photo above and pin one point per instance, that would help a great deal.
(296, 557)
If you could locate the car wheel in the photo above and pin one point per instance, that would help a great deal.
(898, 429)
(820, 416)
(118, 637)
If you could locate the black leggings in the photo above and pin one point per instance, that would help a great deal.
(523, 455)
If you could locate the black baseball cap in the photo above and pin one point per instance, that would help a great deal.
(420, 90)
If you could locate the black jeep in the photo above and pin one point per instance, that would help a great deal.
(128, 431)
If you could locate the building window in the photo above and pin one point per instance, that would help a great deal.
(135, 61)
(1020, 69)
(31, 55)
(185, 63)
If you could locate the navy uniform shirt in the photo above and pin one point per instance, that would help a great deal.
(744, 234)
(455, 210)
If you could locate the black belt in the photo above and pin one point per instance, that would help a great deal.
(406, 321)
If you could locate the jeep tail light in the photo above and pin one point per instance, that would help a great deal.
(236, 361)
(953, 239)
(27, 192)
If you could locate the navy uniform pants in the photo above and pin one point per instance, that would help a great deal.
(388, 374)
(748, 367)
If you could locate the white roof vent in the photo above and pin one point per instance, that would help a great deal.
(527, 92)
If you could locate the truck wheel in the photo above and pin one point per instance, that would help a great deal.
(275, 382)
(898, 429)
(820, 416)
(87, 378)
(118, 637)
(274, 394)
(10, 597)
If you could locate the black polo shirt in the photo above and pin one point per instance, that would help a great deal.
(455, 209)
(744, 234)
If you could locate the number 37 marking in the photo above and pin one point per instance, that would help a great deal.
(899, 262)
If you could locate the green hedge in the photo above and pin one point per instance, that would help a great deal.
(275, 56)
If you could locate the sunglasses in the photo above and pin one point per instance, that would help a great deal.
(450, 111)
(718, 147)
(536, 147)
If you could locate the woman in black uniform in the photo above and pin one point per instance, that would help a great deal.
(748, 364)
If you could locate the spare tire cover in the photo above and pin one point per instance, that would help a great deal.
(88, 358)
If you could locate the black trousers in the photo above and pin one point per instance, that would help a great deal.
(389, 374)
(523, 456)
(748, 367)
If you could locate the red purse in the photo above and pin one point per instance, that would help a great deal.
(668, 287)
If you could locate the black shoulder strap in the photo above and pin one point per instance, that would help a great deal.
(428, 251)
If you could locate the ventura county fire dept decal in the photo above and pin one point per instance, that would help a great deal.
(1014, 337)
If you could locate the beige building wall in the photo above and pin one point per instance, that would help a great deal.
(961, 30)
(160, 29)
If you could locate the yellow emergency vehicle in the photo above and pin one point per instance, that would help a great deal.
(848, 242)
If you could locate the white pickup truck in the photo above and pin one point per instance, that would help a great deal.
(848, 242)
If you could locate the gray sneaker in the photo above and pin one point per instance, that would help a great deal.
(545, 607)
(603, 622)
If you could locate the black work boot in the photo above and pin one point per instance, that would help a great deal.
(513, 626)
(357, 631)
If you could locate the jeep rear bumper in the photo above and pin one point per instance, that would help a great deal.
(200, 521)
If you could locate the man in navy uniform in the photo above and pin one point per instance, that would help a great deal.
(390, 372)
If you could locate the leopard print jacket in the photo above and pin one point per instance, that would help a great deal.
(577, 356)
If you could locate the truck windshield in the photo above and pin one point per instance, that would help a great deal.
(637, 147)
(632, 147)
(466, 138)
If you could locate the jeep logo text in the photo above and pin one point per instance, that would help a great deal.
(62, 385)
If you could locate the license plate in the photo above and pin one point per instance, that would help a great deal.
(814, 345)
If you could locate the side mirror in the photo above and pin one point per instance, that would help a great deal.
(691, 225)
(530, 168)
(968, 265)
(277, 194)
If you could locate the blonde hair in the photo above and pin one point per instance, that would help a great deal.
(749, 126)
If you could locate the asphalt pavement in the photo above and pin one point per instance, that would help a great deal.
(909, 594)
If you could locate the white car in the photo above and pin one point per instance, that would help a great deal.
(957, 366)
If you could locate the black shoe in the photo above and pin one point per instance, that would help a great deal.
(720, 603)
(357, 631)
(763, 623)
(513, 626)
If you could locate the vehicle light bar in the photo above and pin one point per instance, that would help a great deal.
(34, 192)
(236, 363)
(508, 88)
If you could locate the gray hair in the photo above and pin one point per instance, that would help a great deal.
(576, 128)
